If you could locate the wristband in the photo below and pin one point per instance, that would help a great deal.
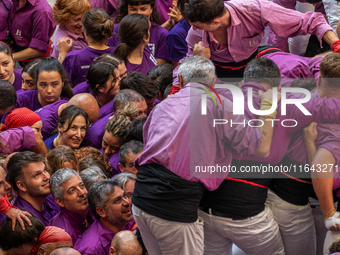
(4, 204)
(329, 213)
(174, 90)
(332, 221)
(335, 46)
(61, 58)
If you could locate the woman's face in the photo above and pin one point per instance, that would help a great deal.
(38, 127)
(6, 67)
(112, 86)
(75, 134)
(144, 9)
(74, 24)
(28, 82)
(110, 144)
(122, 70)
(49, 85)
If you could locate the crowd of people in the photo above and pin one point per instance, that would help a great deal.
(169, 127)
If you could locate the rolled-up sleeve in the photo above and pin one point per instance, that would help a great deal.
(17, 138)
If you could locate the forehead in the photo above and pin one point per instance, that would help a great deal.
(33, 167)
(4, 56)
(139, 6)
(73, 181)
(132, 156)
(141, 105)
(53, 75)
(111, 139)
(26, 76)
(117, 193)
(2, 174)
(78, 121)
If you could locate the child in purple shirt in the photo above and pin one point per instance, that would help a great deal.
(134, 34)
(98, 28)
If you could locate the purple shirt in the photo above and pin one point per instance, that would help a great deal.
(73, 223)
(17, 84)
(79, 43)
(106, 109)
(157, 41)
(148, 62)
(110, 6)
(17, 138)
(96, 240)
(175, 40)
(5, 7)
(114, 160)
(49, 117)
(181, 146)
(246, 31)
(82, 88)
(32, 24)
(94, 135)
(162, 7)
(50, 209)
(77, 63)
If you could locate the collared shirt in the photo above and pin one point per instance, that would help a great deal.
(148, 62)
(82, 88)
(106, 109)
(17, 138)
(96, 240)
(5, 7)
(32, 24)
(246, 31)
(73, 223)
(18, 80)
(190, 143)
(79, 43)
(95, 133)
(50, 209)
(49, 117)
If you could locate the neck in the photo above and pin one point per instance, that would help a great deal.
(21, 2)
(327, 91)
(136, 56)
(225, 20)
(266, 86)
(42, 102)
(101, 99)
(96, 45)
(36, 202)
(58, 141)
(114, 228)
(12, 79)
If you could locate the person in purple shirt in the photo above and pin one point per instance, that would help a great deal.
(5, 7)
(157, 38)
(28, 175)
(97, 29)
(31, 25)
(162, 76)
(168, 186)
(112, 209)
(68, 14)
(134, 34)
(70, 194)
(110, 7)
(28, 75)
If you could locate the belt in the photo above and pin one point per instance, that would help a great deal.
(220, 214)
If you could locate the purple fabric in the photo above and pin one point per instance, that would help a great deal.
(148, 62)
(181, 147)
(50, 209)
(17, 138)
(2, 218)
(49, 117)
(32, 24)
(79, 43)
(309, 24)
(77, 63)
(157, 42)
(95, 133)
(95, 240)
(110, 6)
(73, 223)
(28, 99)
(18, 80)
(162, 7)
(114, 160)
(320, 8)
(175, 40)
(82, 88)
(106, 109)
(5, 7)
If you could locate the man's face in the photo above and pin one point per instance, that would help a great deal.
(142, 108)
(129, 188)
(118, 208)
(36, 180)
(129, 163)
(211, 27)
(5, 187)
(75, 195)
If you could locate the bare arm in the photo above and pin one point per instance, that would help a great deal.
(330, 37)
(27, 54)
(309, 135)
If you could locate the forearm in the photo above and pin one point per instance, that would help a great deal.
(27, 54)
(266, 132)
(311, 151)
(330, 37)
(323, 190)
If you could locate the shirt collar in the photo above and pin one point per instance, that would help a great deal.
(70, 34)
(73, 216)
(106, 235)
(233, 16)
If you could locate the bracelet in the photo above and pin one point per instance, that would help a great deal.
(61, 58)
(329, 213)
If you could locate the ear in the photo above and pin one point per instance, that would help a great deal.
(59, 201)
(60, 128)
(21, 186)
(181, 85)
(112, 251)
(101, 212)
(318, 82)
(41, 251)
(121, 167)
(216, 22)
(101, 89)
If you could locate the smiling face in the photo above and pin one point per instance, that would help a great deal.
(110, 144)
(28, 82)
(72, 134)
(144, 9)
(6, 67)
(74, 24)
(49, 85)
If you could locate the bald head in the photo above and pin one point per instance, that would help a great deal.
(65, 251)
(88, 103)
(8, 158)
(125, 243)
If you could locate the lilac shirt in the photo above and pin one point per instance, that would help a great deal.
(50, 209)
(95, 133)
(157, 41)
(73, 223)
(5, 7)
(18, 80)
(79, 43)
(17, 138)
(82, 88)
(49, 117)
(77, 63)
(162, 7)
(191, 140)
(110, 6)
(148, 62)
(95, 241)
(32, 24)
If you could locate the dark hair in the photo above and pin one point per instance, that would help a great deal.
(123, 9)
(58, 156)
(204, 11)
(17, 162)
(132, 146)
(98, 24)
(313, 1)
(136, 129)
(262, 70)
(162, 76)
(181, 4)
(309, 84)
(335, 247)
(132, 29)
(167, 91)
(314, 48)
(8, 95)
(4, 48)
(107, 57)
(31, 68)
(13, 239)
(99, 73)
(50, 64)
(126, 96)
(330, 70)
(91, 162)
(69, 114)
(141, 83)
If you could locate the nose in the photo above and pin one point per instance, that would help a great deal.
(7, 185)
(107, 151)
(49, 89)
(46, 175)
(78, 133)
(23, 86)
(126, 201)
(2, 70)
